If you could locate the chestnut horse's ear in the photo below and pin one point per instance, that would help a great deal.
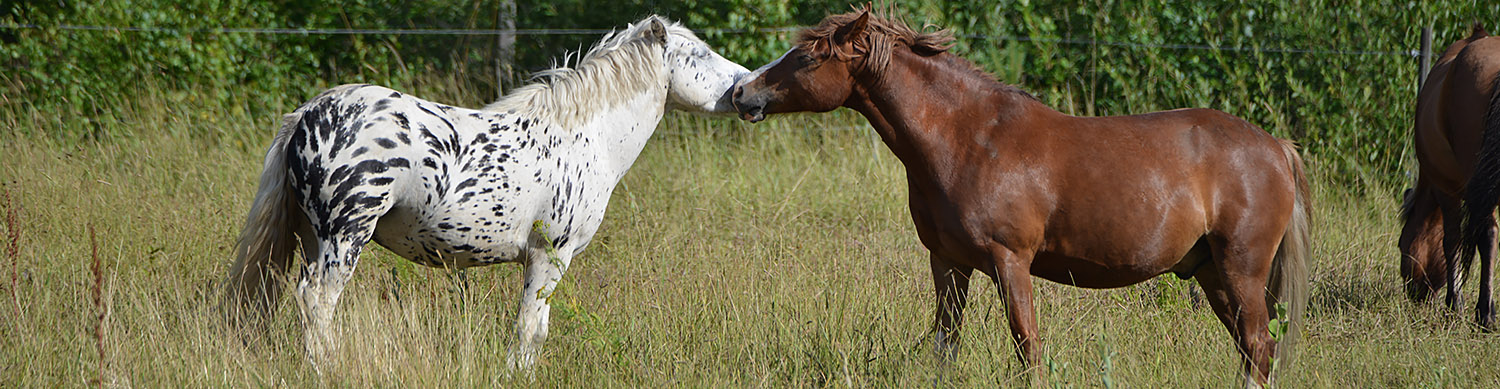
(852, 31)
(656, 30)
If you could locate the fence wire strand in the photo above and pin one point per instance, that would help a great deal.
(585, 31)
(360, 31)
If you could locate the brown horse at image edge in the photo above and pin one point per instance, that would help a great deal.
(1457, 138)
(1001, 183)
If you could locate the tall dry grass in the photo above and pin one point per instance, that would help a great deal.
(772, 255)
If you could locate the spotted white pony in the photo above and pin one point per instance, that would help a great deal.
(525, 179)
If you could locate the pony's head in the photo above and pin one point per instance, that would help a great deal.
(698, 79)
(649, 54)
(819, 73)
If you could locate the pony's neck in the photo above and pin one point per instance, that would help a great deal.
(915, 101)
(607, 107)
(620, 132)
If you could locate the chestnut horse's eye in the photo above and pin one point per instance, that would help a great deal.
(807, 59)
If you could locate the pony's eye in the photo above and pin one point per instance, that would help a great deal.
(806, 59)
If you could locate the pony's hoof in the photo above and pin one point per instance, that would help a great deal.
(520, 365)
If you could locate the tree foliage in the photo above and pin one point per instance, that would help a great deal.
(1334, 75)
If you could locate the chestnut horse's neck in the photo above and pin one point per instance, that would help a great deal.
(929, 109)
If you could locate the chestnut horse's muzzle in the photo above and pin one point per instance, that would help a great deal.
(751, 108)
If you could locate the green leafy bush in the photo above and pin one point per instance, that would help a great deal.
(1336, 76)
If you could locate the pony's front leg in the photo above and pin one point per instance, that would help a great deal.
(323, 280)
(543, 271)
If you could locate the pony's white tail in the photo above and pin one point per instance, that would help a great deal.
(268, 243)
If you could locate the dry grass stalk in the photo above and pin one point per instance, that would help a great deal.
(13, 246)
(98, 269)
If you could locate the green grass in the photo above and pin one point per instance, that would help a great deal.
(772, 255)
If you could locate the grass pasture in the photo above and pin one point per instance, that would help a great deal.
(771, 255)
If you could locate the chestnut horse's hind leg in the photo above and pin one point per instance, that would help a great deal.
(952, 285)
(1236, 287)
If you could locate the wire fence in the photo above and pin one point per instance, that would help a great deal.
(580, 31)
(1179, 46)
(359, 31)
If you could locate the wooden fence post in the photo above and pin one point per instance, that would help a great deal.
(1426, 56)
(505, 46)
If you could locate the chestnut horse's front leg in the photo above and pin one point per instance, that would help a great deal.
(1013, 274)
(951, 281)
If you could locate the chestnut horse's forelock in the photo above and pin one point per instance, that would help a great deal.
(882, 33)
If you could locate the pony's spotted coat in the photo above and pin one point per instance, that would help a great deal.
(526, 179)
(435, 195)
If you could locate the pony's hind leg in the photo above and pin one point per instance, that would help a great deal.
(323, 281)
(340, 237)
(544, 268)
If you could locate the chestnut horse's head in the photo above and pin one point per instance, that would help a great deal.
(820, 72)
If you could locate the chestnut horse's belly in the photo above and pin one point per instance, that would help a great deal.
(1088, 273)
(1094, 259)
(1125, 232)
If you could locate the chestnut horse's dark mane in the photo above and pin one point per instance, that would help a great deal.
(883, 32)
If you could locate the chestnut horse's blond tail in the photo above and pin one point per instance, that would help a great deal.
(1289, 273)
(267, 245)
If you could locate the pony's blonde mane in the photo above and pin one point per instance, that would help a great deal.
(618, 67)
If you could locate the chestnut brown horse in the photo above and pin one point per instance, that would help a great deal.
(1002, 183)
(1459, 109)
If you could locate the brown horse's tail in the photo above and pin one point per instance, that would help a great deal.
(1289, 271)
(267, 244)
(1482, 192)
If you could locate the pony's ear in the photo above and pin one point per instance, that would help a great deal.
(655, 29)
(852, 31)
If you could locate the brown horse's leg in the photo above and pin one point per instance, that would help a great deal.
(1485, 311)
(1452, 236)
(1013, 274)
(952, 283)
